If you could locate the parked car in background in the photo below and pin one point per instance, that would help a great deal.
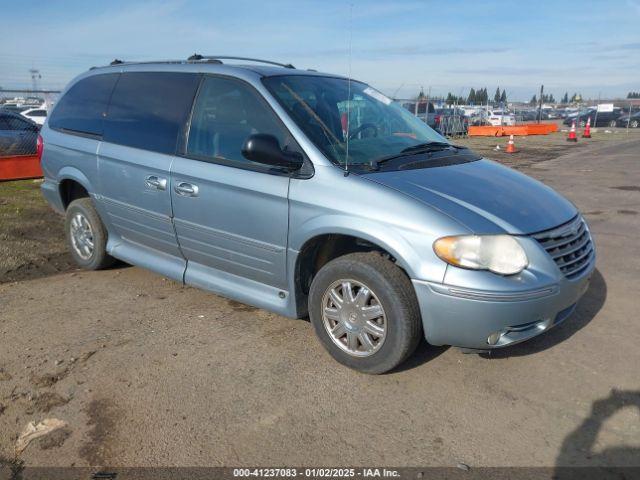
(570, 112)
(244, 180)
(526, 115)
(500, 117)
(9, 107)
(632, 120)
(598, 119)
(38, 115)
(425, 111)
(18, 135)
(577, 116)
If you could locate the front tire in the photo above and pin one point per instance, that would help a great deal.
(612, 123)
(365, 312)
(86, 236)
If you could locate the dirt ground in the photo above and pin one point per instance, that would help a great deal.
(538, 148)
(145, 371)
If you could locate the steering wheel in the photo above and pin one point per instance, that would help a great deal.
(363, 127)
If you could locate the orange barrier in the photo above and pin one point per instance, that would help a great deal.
(521, 130)
(20, 167)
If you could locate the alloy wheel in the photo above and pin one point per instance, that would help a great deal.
(354, 318)
(81, 236)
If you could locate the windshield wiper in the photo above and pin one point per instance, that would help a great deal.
(407, 152)
(430, 146)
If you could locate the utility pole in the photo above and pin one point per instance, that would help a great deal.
(540, 103)
(418, 99)
(35, 76)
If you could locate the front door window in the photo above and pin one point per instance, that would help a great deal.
(226, 113)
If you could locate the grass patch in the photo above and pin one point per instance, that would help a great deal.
(32, 240)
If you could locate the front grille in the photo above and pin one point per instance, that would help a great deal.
(569, 245)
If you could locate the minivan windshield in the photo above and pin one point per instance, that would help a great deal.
(349, 121)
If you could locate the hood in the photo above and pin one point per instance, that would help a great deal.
(484, 196)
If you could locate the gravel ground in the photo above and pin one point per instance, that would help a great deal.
(145, 371)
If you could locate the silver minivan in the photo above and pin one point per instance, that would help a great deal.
(310, 195)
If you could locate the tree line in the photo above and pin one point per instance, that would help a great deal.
(481, 97)
(576, 97)
(633, 95)
(475, 97)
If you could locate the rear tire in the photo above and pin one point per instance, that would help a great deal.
(375, 286)
(634, 124)
(87, 236)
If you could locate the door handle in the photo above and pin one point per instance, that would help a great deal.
(186, 189)
(153, 181)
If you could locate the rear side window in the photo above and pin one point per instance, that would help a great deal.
(83, 107)
(148, 109)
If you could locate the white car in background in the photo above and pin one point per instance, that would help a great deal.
(498, 118)
(38, 115)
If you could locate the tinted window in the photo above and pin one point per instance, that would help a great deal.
(226, 113)
(148, 110)
(83, 107)
(38, 113)
(10, 122)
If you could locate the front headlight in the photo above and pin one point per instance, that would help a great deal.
(498, 253)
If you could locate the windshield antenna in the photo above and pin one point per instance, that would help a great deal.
(346, 161)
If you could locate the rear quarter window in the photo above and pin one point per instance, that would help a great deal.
(148, 109)
(83, 107)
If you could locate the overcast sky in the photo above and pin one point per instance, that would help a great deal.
(592, 47)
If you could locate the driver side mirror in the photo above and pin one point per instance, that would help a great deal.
(265, 148)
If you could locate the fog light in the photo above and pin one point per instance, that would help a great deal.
(494, 338)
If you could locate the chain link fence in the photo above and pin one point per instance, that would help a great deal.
(22, 114)
(453, 125)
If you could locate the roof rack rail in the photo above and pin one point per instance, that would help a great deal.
(197, 57)
(146, 62)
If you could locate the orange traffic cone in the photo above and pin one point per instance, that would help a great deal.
(572, 133)
(587, 129)
(511, 147)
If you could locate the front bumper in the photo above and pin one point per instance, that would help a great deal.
(468, 318)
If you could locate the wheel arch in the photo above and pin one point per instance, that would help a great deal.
(72, 184)
(333, 239)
